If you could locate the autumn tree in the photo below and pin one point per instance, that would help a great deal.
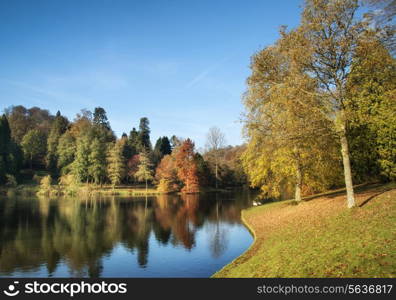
(132, 167)
(324, 45)
(116, 164)
(22, 119)
(186, 167)
(284, 124)
(166, 175)
(144, 171)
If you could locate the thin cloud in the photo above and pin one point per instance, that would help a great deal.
(206, 72)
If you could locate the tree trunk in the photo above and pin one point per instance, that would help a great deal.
(297, 196)
(347, 168)
(146, 186)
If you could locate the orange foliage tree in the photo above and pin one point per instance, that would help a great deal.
(180, 167)
(187, 167)
(166, 175)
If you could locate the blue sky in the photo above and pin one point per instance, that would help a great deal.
(182, 64)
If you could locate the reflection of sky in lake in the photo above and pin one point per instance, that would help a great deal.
(175, 238)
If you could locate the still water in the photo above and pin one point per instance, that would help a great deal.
(163, 236)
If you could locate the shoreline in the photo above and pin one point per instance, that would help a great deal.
(91, 190)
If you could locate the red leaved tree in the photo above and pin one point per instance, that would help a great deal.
(187, 167)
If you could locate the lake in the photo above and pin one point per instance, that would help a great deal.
(161, 236)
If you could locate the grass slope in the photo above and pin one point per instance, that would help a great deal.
(322, 238)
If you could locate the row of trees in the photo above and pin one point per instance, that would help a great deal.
(325, 86)
(87, 151)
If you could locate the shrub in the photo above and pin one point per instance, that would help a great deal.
(11, 181)
(45, 185)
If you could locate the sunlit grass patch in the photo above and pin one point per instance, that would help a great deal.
(321, 238)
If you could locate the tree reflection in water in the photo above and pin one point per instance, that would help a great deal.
(41, 231)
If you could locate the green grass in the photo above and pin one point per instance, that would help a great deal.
(321, 238)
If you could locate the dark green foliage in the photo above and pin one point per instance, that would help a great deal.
(100, 118)
(5, 134)
(58, 127)
(144, 135)
(206, 177)
(11, 156)
(128, 150)
(162, 148)
(34, 144)
(133, 140)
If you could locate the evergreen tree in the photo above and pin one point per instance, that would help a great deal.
(128, 150)
(5, 139)
(58, 127)
(144, 135)
(162, 148)
(133, 140)
(100, 118)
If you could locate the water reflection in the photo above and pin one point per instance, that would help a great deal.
(73, 237)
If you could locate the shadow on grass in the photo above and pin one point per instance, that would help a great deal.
(361, 188)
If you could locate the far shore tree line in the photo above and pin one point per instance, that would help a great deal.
(36, 145)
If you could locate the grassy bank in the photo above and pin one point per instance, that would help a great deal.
(322, 238)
